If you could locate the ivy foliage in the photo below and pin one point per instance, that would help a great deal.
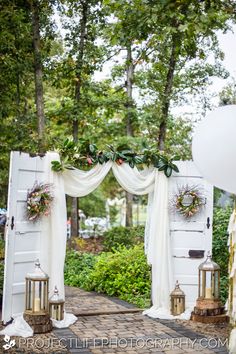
(1, 277)
(220, 250)
(86, 154)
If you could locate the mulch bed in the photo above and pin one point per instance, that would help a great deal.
(220, 330)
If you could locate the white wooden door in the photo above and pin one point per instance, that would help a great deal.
(192, 234)
(22, 237)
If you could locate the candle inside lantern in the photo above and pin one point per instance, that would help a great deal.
(54, 312)
(37, 304)
(208, 293)
(56, 306)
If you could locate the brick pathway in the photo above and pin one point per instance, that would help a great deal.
(82, 302)
(109, 325)
(114, 326)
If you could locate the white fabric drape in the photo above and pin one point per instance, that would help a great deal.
(53, 241)
(158, 246)
(80, 183)
(232, 276)
(149, 181)
(133, 180)
(232, 271)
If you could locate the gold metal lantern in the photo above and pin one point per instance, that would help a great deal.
(177, 300)
(56, 306)
(36, 301)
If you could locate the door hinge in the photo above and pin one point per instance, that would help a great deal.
(12, 223)
(208, 223)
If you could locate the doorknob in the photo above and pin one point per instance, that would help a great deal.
(208, 223)
(12, 223)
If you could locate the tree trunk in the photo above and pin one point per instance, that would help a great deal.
(165, 106)
(74, 218)
(38, 71)
(129, 126)
(75, 128)
(129, 91)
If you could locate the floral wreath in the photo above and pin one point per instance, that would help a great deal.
(39, 200)
(188, 201)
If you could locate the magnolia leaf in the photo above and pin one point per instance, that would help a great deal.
(101, 159)
(174, 167)
(115, 156)
(160, 165)
(131, 163)
(138, 159)
(92, 148)
(162, 168)
(168, 171)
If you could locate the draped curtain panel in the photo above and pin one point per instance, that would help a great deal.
(77, 183)
(232, 281)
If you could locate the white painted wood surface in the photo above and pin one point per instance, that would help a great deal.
(191, 234)
(22, 237)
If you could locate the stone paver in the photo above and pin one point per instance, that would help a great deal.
(78, 300)
(139, 334)
(116, 332)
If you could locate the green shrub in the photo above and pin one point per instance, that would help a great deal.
(78, 267)
(220, 250)
(2, 248)
(123, 273)
(125, 236)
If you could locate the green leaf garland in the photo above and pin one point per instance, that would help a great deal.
(84, 155)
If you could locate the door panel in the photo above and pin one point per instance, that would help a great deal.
(22, 237)
(190, 234)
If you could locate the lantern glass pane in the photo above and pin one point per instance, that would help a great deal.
(36, 296)
(208, 291)
(203, 284)
(200, 284)
(216, 279)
